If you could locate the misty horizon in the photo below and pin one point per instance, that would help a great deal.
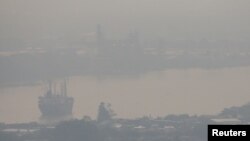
(147, 57)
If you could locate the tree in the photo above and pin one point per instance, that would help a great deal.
(105, 113)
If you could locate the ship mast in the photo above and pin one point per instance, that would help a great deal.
(49, 93)
(64, 88)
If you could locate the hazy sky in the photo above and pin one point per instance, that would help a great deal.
(175, 91)
(170, 19)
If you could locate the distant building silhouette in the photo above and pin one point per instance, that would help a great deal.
(100, 37)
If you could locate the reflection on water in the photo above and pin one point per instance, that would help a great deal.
(192, 91)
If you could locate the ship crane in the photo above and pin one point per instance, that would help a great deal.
(56, 105)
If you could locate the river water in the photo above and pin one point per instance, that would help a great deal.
(191, 91)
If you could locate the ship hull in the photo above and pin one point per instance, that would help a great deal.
(55, 107)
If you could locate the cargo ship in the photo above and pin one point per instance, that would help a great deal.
(56, 106)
